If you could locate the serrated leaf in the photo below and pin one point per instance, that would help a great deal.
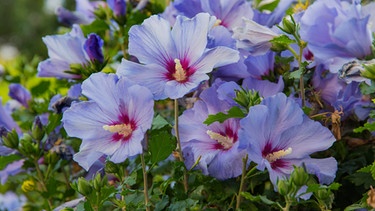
(282, 40)
(159, 122)
(5, 160)
(234, 112)
(257, 198)
(161, 146)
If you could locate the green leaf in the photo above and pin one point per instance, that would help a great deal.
(98, 27)
(234, 112)
(296, 74)
(54, 120)
(258, 198)
(281, 43)
(161, 146)
(159, 122)
(366, 126)
(5, 160)
(186, 204)
(40, 89)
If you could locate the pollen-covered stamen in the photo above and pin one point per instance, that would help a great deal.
(272, 157)
(122, 129)
(180, 74)
(225, 141)
(217, 23)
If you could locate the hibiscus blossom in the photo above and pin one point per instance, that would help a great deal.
(216, 144)
(173, 62)
(278, 135)
(112, 122)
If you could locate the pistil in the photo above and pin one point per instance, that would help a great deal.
(225, 141)
(180, 74)
(122, 129)
(272, 157)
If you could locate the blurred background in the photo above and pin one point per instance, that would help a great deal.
(23, 23)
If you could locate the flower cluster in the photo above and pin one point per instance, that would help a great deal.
(198, 98)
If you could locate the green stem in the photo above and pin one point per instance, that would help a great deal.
(301, 82)
(145, 187)
(122, 44)
(181, 157)
(42, 182)
(244, 163)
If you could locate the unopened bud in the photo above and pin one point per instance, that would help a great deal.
(28, 185)
(10, 139)
(283, 187)
(84, 187)
(289, 26)
(37, 129)
(299, 177)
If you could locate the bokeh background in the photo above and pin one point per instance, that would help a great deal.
(23, 23)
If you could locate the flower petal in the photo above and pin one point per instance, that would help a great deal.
(154, 33)
(190, 36)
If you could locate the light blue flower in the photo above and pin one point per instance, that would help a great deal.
(277, 135)
(173, 62)
(336, 32)
(112, 122)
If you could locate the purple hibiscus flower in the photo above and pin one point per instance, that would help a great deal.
(176, 61)
(277, 135)
(336, 32)
(112, 122)
(216, 144)
(339, 95)
(67, 49)
(84, 13)
(271, 18)
(229, 13)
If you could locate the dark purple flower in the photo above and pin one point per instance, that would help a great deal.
(118, 7)
(93, 47)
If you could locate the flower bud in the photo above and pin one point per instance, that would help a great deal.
(37, 131)
(10, 139)
(283, 187)
(289, 26)
(28, 185)
(84, 187)
(299, 177)
(93, 47)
